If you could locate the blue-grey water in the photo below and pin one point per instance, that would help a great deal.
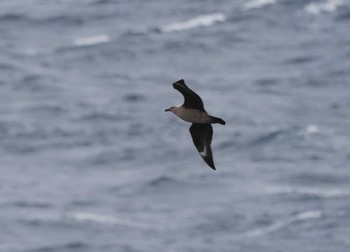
(89, 160)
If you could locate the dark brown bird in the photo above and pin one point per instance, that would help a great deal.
(192, 110)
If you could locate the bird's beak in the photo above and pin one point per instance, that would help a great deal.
(167, 110)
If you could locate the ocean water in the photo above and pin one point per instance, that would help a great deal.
(89, 160)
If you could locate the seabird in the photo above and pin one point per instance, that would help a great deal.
(192, 110)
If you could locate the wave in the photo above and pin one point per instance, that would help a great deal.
(40, 218)
(255, 4)
(60, 19)
(291, 134)
(305, 191)
(308, 215)
(299, 60)
(94, 218)
(134, 97)
(200, 21)
(312, 129)
(344, 15)
(327, 6)
(73, 218)
(64, 247)
(29, 204)
(315, 130)
(13, 17)
(268, 137)
(89, 41)
(99, 116)
(76, 44)
(161, 181)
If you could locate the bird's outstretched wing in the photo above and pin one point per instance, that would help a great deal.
(192, 100)
(202, 135)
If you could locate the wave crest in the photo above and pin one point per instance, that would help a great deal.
(255, 4)
(328, 6)
(308, 191)
(93, 218)
(313, 214)
(89, 41)
(200, 21)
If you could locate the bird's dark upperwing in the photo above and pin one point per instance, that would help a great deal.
(202, 135)
(192, 100)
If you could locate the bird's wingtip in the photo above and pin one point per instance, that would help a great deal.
(217, 120)
(211, 165)
(182, 81)
(179, 82)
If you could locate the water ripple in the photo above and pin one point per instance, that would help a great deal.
(304, 216)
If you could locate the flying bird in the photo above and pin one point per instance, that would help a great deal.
(192, 110)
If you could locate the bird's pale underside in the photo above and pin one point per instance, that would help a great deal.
(192, 110)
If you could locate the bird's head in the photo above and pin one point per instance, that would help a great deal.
(172, 109)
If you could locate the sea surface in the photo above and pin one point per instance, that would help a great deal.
(89, 160)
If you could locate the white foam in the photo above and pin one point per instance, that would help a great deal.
(283, 223)
(254, 4)
(31, 52)
(312, 129)
(308, 215)
(94, 40)
(334, 193)
(90, 217)
(103, 219)
(327, 6)
(200, 21)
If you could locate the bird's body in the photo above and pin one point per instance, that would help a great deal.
(192, 110)
(192, 115)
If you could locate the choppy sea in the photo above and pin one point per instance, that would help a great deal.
(89, 160)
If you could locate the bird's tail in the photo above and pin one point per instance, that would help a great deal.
(217, 120)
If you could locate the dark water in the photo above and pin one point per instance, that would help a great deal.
(89, 161)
